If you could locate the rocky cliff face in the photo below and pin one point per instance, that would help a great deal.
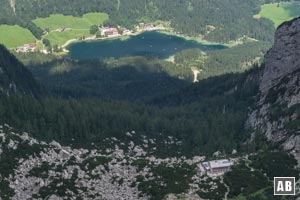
(284, 57)
(277, 115)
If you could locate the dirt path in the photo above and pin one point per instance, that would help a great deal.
(196, 72)
(227, 187)
(12, 4)
(228, 191)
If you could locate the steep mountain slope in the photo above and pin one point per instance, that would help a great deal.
(205, 117)
(283, 58)
(134, 79)
(278, 111)
(14, 77)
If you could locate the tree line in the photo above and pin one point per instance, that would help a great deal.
(232, 19)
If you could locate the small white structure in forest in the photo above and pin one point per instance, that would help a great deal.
(215, 167)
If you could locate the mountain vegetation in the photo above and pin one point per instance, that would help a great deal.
(140, 78)
(57, 21)
(189, 17)
(61, 28)
(134, 79)
(112, 110)
(280, 12)
(14, 77)
(212, 63)
(214, 121)
(13, 36)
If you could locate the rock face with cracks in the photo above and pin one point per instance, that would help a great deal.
(277, 114)
(284, 57)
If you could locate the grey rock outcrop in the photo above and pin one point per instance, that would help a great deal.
(84, 173)
(284, 57)
(277, 111)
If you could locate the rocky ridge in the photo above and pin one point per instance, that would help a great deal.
(283, 58)
(277, 113)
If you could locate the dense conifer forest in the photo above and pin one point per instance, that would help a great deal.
(232, 18)
(14, 76)
(206, 116)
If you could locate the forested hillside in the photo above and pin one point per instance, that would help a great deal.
(213, 63)
(204, 125)
(213, 122)
(231, 18)
(133, 78)
(140, 78)
(14, 77)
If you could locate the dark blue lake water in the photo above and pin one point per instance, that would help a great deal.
(153, 44)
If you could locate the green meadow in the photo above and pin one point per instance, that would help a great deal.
(57, 21)
(280, 12)
(14, 36)
(95, 18)
(60, 38)
(77, 27)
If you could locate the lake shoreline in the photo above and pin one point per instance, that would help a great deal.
(146, 43)
(125, 37)
(195, 39)
(94, 38)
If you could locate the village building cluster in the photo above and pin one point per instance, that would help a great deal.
(151, 27)
(105, 32)
(26, 48)
(127, 31)
(109, 32)
(114, 32)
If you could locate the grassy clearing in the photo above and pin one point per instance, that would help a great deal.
(60, 38)
(95, 18)
(57, 21)
(280, 12)
(14, 36)
(77, 27)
